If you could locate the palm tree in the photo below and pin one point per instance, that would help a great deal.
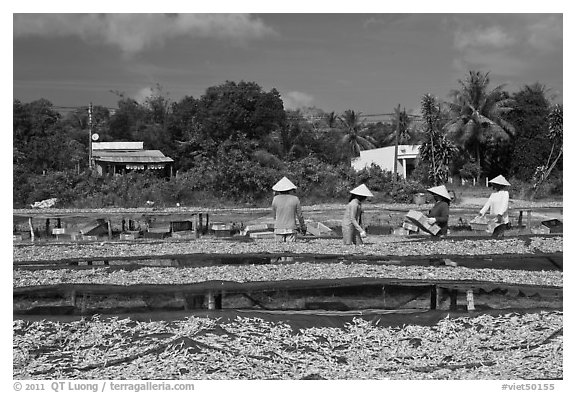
(402, 123)
(331, 119)
(355, 137)
(477, 114)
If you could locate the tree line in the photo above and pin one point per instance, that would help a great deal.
(232, 143)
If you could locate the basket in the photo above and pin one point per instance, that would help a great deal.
(483, 224)
(421, 220)
(479, 224)
(419, 198)
(409, 226)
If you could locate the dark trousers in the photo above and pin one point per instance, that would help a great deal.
(500, 229)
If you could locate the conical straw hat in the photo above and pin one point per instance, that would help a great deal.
(362, 190)
(440, 190)
(500, 180)
(284, 184)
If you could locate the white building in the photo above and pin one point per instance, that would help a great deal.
(384, 158)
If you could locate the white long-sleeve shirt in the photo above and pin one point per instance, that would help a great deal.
(498, 204)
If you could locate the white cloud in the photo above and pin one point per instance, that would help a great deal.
(143, 94)
(295, 99)
(135, 32)
(498, 62)
(494, 37)
(545, 34)
(505, 44)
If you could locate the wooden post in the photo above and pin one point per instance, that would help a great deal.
(529, 217)
(47, 227)
(195, 226)
(123, 225)
(83, 304)
(453, 299)
(109, 230)
(433, 297)
(207, 229)
(31, 228)
(218, 301)
(58, 223)
(384, 295)
(470, 300)
(520, 219)
(73, 298)
(211, 301)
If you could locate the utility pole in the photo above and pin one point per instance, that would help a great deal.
(90, 136)
(396, 144)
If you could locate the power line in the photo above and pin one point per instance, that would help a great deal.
(290, 117)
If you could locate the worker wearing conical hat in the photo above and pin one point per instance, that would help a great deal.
(287, 211)
(497, 204)
(352, 231)
(441, 210)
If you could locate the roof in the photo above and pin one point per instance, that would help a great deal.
(117, 145)
(140, 156)
(404, 151)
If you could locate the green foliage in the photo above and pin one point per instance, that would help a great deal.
(530, 145)
(40, 141)
(436, 150)
(235, 141)
(478, 115)
(529, 154)
(552, 187)
(239, 109)
(403, 191)
(470, 170)
(355, 137)
(555, 133)
(388, 187)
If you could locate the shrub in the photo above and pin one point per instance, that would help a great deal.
(470, 170)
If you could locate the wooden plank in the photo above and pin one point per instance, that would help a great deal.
(231, 287)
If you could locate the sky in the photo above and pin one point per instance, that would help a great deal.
(369, 62)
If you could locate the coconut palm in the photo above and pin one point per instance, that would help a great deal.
(355, 138)
(402, 128)
(331, 119)
(477, 114)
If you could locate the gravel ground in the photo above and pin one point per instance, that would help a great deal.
(463, 202)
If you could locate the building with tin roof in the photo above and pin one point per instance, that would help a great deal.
(115, 158)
